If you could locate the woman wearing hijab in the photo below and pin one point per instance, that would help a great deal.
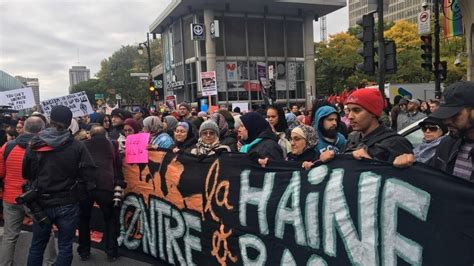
(184, 137)
(277, 120)
(158, 137)
(208, 142)
(169, 124)
(226, 137)
(303, 140)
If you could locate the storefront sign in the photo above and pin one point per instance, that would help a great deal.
(197, 32)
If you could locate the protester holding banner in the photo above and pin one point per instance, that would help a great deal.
(257, 138)
(303, 140)
(184, 137)
(158, 137)
(208, 142)
(371, 139)
(433, 132)
(108, 176)
(59, 172)
(277, 120)
(226, 137)
(455, 153)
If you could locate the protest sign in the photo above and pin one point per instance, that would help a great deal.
(244, 106)
(136, 148)
(18, 99)
(77, 102)
(225, 209)
(170, 101)
(208, 81)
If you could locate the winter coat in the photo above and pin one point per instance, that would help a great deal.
(105, 154)
(323, 144)
(382, 144)
(230, 139)
(446, 154)
(59, 167)
(268, 147)
(307, 155)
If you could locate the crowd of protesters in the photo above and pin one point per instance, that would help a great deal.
(84, 155)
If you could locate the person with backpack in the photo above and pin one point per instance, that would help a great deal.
(11, 163)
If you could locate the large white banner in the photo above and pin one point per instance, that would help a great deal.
(77, 102)
(18, 99)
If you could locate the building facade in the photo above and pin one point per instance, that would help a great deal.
(397, 10)
(254, 36)
(33, 83)
(78, 74)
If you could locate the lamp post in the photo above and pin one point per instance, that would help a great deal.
(140, 51)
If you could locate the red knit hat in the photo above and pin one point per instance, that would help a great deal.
(369, 99)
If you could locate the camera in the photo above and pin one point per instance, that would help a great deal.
(29, 199)
(117, 198)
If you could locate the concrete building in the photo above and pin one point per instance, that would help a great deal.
(254, 35)
(467, 10)
(78, 74)
(33, 83)
(397, 10)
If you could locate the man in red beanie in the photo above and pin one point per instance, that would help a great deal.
(371, 139)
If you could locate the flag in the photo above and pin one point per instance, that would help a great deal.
(452, 23)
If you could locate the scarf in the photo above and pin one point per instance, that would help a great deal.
(246, 148)
(203, 148)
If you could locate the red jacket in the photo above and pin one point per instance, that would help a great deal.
(11, 172)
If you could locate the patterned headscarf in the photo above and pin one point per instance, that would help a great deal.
(308, 133)
(171, 121)
(221, 123)
(153, 124)
(291, 120)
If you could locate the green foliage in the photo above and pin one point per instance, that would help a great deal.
(91, 87)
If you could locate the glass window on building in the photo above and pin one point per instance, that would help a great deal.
(255, 33)
(274, 32)
(188, 43)
(220, 41)
(178, 51)
(294, 38)
(235, 42)
(191, 72)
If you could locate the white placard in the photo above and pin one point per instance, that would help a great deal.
(18, 99)
(244, 106)
(208, 81)
(78, 103)
(424, 26)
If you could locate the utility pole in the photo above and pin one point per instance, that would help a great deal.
(381, 49)
(436, 59)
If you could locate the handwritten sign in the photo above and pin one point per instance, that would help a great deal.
(77, 102)
(208, 81)
(135, 148)
(18, 99)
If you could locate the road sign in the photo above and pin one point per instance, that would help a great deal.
(118, 96)
(99, 96)
(144, 78)
(197, 31)
(139, 74)
(424, 26)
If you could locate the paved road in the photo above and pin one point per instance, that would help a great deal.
(98, 257)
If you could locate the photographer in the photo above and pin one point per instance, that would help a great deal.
(11, 159)
(107, 194)
(59, 170)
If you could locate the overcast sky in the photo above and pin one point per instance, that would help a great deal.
(44, 38)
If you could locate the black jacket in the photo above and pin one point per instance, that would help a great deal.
(267, 148)
(115, 132)
(382, 144)
(230, 139)
(58, 166)
(105, 154)
(446, 154)
(308, 155)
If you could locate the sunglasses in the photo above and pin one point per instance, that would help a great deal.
(431, 128)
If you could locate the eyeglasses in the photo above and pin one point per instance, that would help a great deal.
(431, 128)
(208, 133)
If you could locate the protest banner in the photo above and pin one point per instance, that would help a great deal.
(208, 81)
(18, 99)
(136, 148)
(226, 210)
(77, 102)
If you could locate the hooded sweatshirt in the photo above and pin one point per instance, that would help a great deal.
(58, 166)
(324, 144)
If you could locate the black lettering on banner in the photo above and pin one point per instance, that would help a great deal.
(345, 212)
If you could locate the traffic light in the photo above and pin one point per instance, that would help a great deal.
(152, 85)
(427, 53)
(390, 57)
(367, 38)
(442, 70)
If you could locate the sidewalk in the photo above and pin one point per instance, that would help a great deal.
(98, 257)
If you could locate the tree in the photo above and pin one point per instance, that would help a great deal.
(91, 87)
(404, 34)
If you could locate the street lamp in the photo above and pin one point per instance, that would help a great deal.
(146, 44)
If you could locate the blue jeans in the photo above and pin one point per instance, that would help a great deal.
(66, 218)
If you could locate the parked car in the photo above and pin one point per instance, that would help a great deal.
(413, 133)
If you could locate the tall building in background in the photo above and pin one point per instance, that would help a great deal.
(397, 10)
(34, 84)
(78, 74)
